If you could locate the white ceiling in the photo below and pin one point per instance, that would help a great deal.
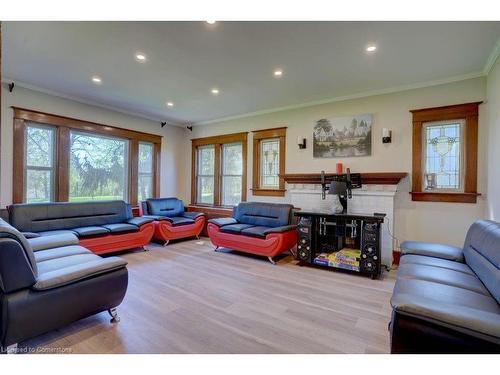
(320, 60)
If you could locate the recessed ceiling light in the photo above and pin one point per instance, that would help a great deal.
(96, 80)
(278, 73)
(215, 91)
(140, 57)
(211, 22)
(371, 48)
(170, 104)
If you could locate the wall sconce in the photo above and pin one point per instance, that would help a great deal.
(301, 142)
(386, 135)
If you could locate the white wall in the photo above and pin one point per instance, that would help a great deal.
(493, 95)
(173, 149)
(442, 222)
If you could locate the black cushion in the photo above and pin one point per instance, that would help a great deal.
(193, 215)
(40, 217)
(221, 221)
(141, 220)
(263, 214)
(170, 207)
(121, 228)
(29, 235)
(235, 228)
(258, 231)
(90, 231)
(156, 217)
(283, 229)
(179, 220)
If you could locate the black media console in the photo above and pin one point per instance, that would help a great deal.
(341, 241)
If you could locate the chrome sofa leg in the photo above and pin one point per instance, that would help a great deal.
(115, 318)
(11, 349)
(166, 243)
(216, 247)
(145, 248)
(197, 237)
(271, 260)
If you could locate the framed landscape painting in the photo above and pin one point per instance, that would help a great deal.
(342, 137)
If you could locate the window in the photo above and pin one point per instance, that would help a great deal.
(442, 155)
(39, 158)
(206, 174)
(98, 168)
(146, 175)
(232, 173)
(219, 170)
(62, 159)
(445, 154)
(269, 162)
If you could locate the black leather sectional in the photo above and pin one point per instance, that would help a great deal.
(446, 299)
(50, 281)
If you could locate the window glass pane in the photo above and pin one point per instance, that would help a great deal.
(39, 185)
(39, 146)
(232, 169)
(232, 161)
(205, 190)
(98, 168)
(231, 190)
(443, 155)
(145, 182)
(269, 163)
(206, 166)
(145, 157)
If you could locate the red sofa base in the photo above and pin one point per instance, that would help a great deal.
(272, 245)
(165, 231)
(117, 242)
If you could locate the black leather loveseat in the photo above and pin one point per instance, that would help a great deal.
(102, 227)
(446, 299)
(48, 282)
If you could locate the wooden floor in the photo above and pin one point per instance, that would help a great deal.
(186, 298)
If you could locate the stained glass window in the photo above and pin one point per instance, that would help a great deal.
(443, 155)
(269, 170)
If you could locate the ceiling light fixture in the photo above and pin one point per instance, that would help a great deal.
(371, 48)
(96, 80)
(211, 22)
(170, 104)
(278, 73)
(215, 91)
(140, 57)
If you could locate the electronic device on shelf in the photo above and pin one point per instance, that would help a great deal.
(341, 185)
(350, 242)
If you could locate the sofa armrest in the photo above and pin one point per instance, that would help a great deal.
(282, 229)
(69, 275)
(50, 242)
(432, 250)
(193, 215)
(475, 322)
(221, 221)
(140, 220)
(15, 268)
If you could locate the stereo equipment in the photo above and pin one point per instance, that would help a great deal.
(340, 241)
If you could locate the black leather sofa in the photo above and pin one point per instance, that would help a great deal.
(446, 298)
(102, 227)
(48, 282)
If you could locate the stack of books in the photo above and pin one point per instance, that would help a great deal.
(346, 258)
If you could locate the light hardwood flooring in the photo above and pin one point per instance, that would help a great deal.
(187, 298)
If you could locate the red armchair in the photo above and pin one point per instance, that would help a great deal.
(256, 228)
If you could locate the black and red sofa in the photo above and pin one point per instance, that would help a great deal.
(171, 220)
(259, 228)
(102, 227)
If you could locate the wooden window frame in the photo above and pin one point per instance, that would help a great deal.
(217, 141)
(258, 137)
(63, 126)
(469, 112)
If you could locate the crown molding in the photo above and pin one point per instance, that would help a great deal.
(84, 101)
(492, 58)
(360, 95)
